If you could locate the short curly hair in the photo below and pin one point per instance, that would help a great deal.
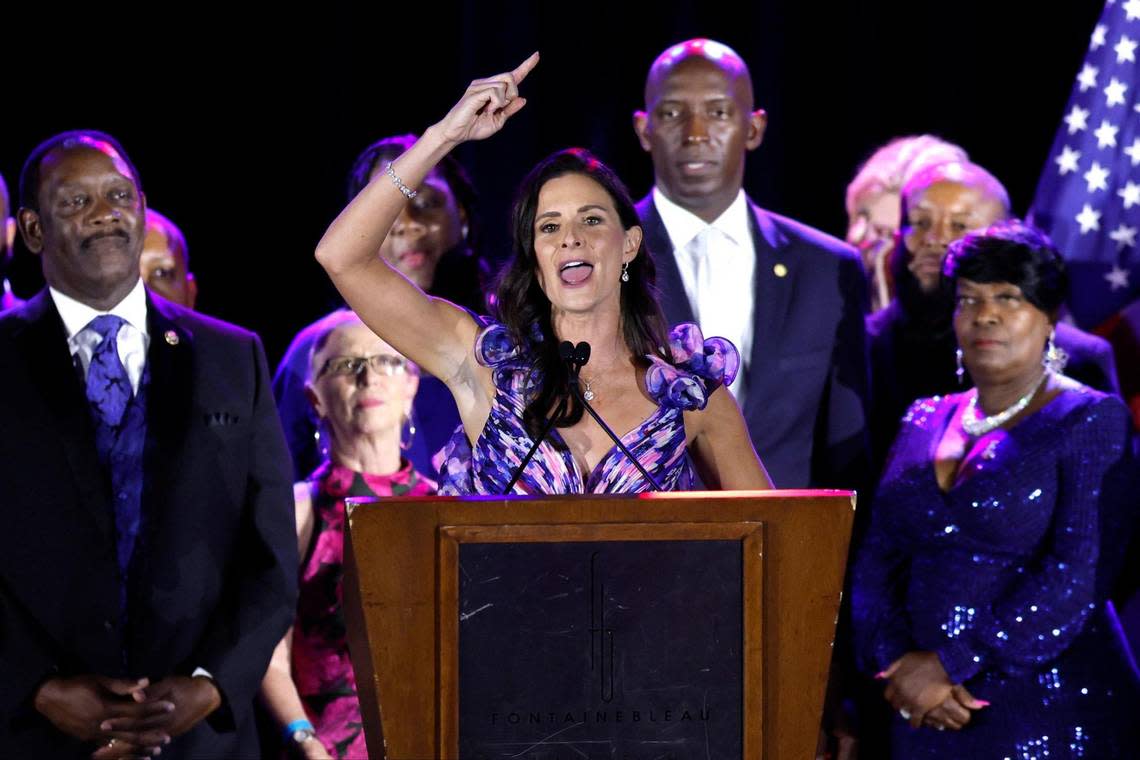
(1014, 252)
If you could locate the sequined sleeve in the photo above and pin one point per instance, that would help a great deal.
(1040, 614)
(879, 583)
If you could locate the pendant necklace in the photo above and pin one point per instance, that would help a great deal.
(588, 393)
(976, 425)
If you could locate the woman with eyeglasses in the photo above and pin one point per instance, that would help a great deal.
(361, 390)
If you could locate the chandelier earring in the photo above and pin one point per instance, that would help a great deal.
(1055, 358)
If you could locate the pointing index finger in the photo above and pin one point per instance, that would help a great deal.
(525, 67)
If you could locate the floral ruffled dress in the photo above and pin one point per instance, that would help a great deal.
(322, 669)
(699, 367)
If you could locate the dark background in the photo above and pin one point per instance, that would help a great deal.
(243, 128)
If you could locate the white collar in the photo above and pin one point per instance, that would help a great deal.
(683, 225)
(77, 315)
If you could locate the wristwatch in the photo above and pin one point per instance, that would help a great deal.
(302, 735)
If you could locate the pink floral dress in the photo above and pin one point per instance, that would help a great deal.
(322, 669)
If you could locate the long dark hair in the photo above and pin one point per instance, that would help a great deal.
(522, 305)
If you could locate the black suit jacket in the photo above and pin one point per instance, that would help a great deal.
(213, 584)
(807, 376)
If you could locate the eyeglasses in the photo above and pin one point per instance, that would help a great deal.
(354, 366)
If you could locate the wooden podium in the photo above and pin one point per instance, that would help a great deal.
(561, 619)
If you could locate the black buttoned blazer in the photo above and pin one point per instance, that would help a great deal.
(214, 577)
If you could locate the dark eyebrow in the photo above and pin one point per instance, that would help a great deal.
(581, 210)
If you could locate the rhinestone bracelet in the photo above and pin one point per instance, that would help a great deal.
(408, 192)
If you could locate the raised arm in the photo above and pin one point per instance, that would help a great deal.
(435, 334)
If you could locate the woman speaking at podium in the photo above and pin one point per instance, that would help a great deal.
(579, 274)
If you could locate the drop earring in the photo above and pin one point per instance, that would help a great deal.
(625, 272)
(1055, 358)
(410, 426)
(961, 371)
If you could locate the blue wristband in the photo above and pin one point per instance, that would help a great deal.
(297, 725)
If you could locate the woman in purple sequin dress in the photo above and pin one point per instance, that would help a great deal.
(980, 592)
(362, 392)
(579, 273)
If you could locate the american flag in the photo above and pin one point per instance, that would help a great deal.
(1088, 198)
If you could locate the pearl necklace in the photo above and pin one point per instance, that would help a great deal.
(975, 425)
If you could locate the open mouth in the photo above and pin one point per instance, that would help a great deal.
(575, 272)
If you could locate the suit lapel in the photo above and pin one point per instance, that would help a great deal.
(771, 297)
(169, 364)
(674, 301)
(44, 343)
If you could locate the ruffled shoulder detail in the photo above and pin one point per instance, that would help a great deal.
(512, 364)
(495, 347)
(699, 367)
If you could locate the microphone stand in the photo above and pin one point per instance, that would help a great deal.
(541, 437)
(578, 359)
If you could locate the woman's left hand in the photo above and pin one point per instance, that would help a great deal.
(917, 684)
(486, 105)
(955, 710)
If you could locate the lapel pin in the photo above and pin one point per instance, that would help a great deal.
(171, 337)
(780, 270)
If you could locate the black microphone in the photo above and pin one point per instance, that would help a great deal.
(577, 356)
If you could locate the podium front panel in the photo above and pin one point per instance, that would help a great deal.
(631, 644)
(644, 593)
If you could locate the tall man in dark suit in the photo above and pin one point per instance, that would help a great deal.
(791, 298)
(148, 561)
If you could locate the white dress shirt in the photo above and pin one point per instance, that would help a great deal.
(717, 264)
(132, 339)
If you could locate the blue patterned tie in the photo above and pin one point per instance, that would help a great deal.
(120, 436)
(108, 386)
